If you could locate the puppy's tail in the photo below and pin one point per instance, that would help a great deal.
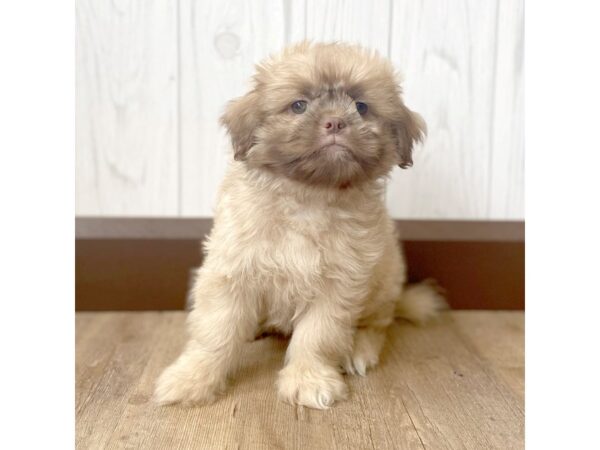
(421, 302)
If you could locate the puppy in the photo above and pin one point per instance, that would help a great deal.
(302, 243)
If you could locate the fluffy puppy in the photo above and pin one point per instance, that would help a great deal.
(302, 243)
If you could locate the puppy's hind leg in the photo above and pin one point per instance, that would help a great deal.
(418, 303)
(222, 320)
(371, 332)
(368, 342)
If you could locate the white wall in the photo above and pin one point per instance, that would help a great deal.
(153, 77)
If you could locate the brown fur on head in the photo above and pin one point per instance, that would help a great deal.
(324, 139)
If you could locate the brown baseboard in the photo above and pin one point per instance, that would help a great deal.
(475, 274)
(144, 264)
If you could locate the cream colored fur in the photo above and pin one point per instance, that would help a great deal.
(285, 257)
(315, 260)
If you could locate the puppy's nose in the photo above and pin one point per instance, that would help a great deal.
(333, 125)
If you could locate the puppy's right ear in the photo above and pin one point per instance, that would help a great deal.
(241, 118)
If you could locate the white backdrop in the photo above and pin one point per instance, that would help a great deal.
(153, 77)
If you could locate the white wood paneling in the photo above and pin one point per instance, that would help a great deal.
(220, 43)
(446, 51)
(507, 186)
(153, 78)
(126, 136)
(363, 22)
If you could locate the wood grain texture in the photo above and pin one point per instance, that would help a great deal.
(153, 78)
(126, 108)
(506, 356)
(219, 44)
(447, 52)
(507, 184)
(355, 21)
(443, 386)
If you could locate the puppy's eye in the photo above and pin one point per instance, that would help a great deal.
(362, 108)
(299, 106)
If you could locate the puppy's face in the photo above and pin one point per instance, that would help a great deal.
(324, 114)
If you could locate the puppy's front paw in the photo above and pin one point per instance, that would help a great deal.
(315, 386)
(180, 385)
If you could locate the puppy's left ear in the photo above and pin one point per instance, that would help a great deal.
(409, 129)
(242, 118)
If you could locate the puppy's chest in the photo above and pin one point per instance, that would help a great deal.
(313, 223)
(319, 241)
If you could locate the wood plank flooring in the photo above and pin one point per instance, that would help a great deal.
(457, 383)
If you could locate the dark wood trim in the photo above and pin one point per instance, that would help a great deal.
(138, 264)
(475, 275)
(133, 274)
(197, 228)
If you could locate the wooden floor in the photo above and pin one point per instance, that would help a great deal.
(455, 384)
